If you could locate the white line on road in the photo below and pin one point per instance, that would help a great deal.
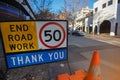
(116, 43)
(74, 44)
(110, 65)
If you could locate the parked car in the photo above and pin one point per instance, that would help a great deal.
(78, 33)
(69, 31)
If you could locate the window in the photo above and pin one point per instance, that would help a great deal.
(104, 5)
(118, 1)
(96, 9)
(110, 2)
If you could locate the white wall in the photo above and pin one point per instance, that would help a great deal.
(118, 20)
(107, 13)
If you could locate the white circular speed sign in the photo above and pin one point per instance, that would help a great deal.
(52, 35)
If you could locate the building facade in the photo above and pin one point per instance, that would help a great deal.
(15, 10)
(83, 19)
(118, 18)
(106, 18)
(89, 22)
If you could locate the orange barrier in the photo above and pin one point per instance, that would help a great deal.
(64, 76)
(94, 69)
(76, 77)
(80, 73)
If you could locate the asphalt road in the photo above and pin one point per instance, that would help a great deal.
(80, 50)
(80, 54)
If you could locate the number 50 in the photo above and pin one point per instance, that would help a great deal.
(52, 35)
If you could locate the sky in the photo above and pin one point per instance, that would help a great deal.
(91, 2)
(58, 4)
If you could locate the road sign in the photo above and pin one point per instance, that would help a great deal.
(52, 35)
(34, 42)
(19, 36)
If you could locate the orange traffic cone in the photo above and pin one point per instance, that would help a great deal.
(94, 69)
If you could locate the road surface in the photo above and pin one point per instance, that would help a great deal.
(80, 50)
(80, 54)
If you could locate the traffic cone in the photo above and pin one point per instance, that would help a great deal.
(94, 69)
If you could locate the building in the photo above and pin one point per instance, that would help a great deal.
(89, 22)
(83, 20)
(118, 18)
(15, 10)
(106, 18)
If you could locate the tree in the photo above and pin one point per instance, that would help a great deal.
(73, 6)
(43, 7)
(45, 15)
(42, 4)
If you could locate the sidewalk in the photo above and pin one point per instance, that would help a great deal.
(114, 40)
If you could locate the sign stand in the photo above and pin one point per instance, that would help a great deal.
(69, 67)
(29, 43)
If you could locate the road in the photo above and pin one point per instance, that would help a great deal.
(80, 50)
(80, 53)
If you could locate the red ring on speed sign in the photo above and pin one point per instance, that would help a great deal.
(45, 25)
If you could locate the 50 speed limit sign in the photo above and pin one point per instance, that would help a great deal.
(52, 34)
(34, 42)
